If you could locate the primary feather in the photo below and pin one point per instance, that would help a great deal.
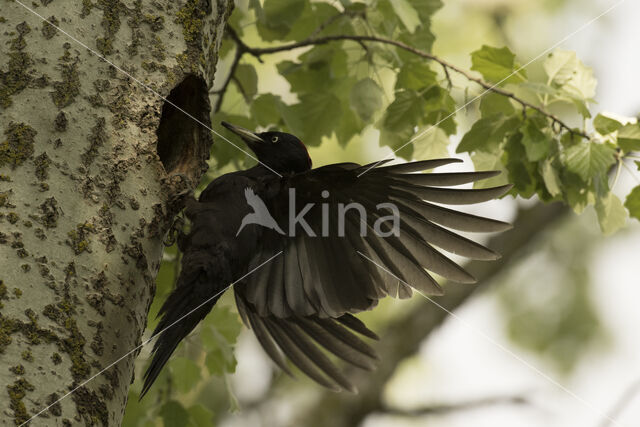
(300, 304)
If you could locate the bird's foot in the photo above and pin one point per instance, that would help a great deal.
(175, 233)
(180, 189)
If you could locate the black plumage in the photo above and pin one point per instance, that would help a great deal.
(303, 288)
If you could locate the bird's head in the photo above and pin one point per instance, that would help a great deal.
(280, 151)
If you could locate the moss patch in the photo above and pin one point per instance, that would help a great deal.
(4, 199)
(190, 16)
(49, 213)
(27, 355)
(42, 163)
(48, 30)
(17, 391)
(91, 407)
(55, 408)
(66, 90)
(56, 358)
(16, 78)
(97, 138)
(86, 8)
(60, 123)
(18, 369)
(74, 343)
(12, 217)
(110, 23)
(78, 238)
(19, 144)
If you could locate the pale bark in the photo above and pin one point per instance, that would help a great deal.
(86, 193)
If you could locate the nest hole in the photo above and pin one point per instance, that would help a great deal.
(184, 138)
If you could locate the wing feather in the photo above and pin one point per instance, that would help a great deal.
(300, 304)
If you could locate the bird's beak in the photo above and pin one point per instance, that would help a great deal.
(243, 133)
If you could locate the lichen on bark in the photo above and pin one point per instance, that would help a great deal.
(85, 199)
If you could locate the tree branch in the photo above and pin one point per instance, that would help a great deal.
(404, 336)
(443, 409)
(258, 52)
(221, 92)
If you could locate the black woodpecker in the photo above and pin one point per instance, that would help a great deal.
(319, 272)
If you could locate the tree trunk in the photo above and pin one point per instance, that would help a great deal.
(92, 158)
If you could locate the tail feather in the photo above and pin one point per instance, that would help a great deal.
(187, 305)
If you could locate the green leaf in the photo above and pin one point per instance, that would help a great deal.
(611, 214)
(605, 125)
(629, 137)
(200, 416)
(314, 15)
(422, 38)
(248, 79)
(405, 110)
(432, 145)
(493, 103)
(277, 18)
(305, 80)
(550, 178)
(560, 66)
(497, 65)
(315, 116)
(583, 84)
(136, 411)
(426, 8)
(578, 101)
(567, 71)
(366, 98)
(220, 361)
(184, 373)
(218, 335)
(416, 75)
(589, 160)
(266, 109)
(632, 203)
(523, 175)
(226, 322)
(483, 161)
(174, 415)
(397, 138)
(350, 125)
(407, 14)
(487, 133)
(536, 142)
(439, 109)
(578, 194)
(539, 88)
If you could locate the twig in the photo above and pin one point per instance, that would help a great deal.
(240, 87)
(446, 73)
(221, 92)
(462, 406)
(258, 52)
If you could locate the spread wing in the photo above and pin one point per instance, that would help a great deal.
(304, 298)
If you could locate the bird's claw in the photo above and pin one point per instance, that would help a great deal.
(175, 233)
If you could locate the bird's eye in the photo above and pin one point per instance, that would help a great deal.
(274, 139)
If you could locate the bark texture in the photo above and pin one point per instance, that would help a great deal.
(91, 158)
